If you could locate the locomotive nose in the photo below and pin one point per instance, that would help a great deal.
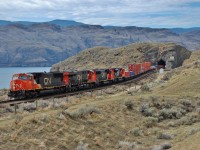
(12, 85)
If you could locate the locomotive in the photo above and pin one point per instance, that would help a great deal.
(28, 85)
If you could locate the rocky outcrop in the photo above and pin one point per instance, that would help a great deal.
(45, 44)
(103, 57)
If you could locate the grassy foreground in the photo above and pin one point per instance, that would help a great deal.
(161, 113)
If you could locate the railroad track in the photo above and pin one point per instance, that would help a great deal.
(134, 79)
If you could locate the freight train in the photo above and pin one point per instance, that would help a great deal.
(28, 85)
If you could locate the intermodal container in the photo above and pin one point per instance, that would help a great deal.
(127, 74)
(146, 66)
(131, 73)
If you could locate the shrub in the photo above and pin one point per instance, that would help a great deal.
(34, 120)
(30, 107)
(164, 136)
(145, 87)
(150, 121)
(168, 75)
(147, 111)
(125, 145)
(162, 146)
(44, 104)
(193, 131)
(136, 131)
(198, 111)
(129, 104)
(188, 120)
(144, 107)
(187, 105)
(82, 111)
(61, 116)
(82, 146)
(172, 113)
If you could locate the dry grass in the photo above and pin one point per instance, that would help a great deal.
(183, 81)
(190, 143)
(144, 120)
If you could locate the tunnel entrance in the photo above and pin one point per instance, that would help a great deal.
(161, 64)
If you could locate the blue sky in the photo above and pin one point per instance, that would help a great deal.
(144, 13)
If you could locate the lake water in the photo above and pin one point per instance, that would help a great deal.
(6, 73)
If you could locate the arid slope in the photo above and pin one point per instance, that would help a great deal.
(184, 80)
(102, 57)
(121, 118)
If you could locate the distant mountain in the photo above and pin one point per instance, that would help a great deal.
(183, 30)
(44, 44)
(65, 23)
(54, 22)
(3, 22)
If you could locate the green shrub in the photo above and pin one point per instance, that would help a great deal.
(150, 121)
(136, 131)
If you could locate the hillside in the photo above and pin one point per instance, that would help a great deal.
(184, 80)
(44, 44)
(164, 116)
(103, 57)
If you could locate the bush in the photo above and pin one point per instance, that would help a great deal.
(82, 112)
(150, 121)
(136, 131)
(188, 120)
(125, 145)
(82, 146)
(162, 146)
(187, 105)
(61, 116)
(164, 136)
(30, 107)
(129, 104)
(172, 113)
(145, 88)
(147, 111)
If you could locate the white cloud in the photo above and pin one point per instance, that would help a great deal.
(153, 13)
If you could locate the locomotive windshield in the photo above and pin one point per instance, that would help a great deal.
(22, 77)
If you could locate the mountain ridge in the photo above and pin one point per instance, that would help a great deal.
(64, 23)
(49, 43)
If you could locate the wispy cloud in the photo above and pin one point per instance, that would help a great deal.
(153, 13)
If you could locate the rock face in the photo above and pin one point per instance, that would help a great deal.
(103, 57)
(45, 44)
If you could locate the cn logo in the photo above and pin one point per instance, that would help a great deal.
(47, 81)
(102, 74)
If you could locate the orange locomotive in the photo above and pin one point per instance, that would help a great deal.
(31, 84)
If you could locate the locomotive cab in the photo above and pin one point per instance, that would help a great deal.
(19, 82)
(111, 74)
(22, 85)
(92, 77)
